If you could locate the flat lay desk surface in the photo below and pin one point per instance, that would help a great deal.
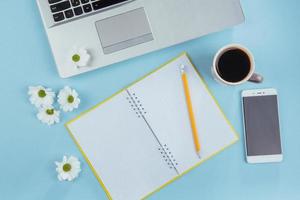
(28, 148)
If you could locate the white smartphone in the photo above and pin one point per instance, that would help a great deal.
(261, 126)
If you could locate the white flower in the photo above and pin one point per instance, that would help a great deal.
(48, 115)
(41, 96)
(68, 99)
(80, 57)
(68, 169)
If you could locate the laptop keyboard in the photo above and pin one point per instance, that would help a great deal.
(63, 10)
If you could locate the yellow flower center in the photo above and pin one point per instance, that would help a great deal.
(50, 111)
(67, 167)
(42, 93)
(76, 58)
(70, 99)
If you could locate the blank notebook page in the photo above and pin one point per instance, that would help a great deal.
(168, 115)
(141, 138)
(121, 149)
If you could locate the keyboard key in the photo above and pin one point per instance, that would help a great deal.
(97, 5)
(58, 17)
(69, 13)
(78, 11)
(60, 6)
(85, 1)
(75, 2)
(53, 1)
(102, 4)
(87, 8)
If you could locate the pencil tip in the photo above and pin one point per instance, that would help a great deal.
(198, 154)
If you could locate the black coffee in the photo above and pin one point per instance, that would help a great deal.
(233, 65)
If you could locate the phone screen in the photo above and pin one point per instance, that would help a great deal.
(262, 125)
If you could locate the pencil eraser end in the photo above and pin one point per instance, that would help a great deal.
(182, 68)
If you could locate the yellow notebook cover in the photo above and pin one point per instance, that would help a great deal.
(139, 140)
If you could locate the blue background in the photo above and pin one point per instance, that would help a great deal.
(28, 148)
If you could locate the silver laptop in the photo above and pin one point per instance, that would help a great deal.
(111, 31)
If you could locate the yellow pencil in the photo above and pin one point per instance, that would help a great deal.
(190, 108)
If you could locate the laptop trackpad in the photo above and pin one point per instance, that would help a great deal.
(124, 30)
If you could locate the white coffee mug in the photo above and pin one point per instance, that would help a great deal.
(251, 76)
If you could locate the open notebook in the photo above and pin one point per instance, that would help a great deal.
(140, 139)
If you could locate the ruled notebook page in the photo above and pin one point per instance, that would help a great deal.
(122, 149)
(162, 95)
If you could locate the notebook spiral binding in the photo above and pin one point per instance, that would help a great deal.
(168, 156)
(136, 105)
(140, 111)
